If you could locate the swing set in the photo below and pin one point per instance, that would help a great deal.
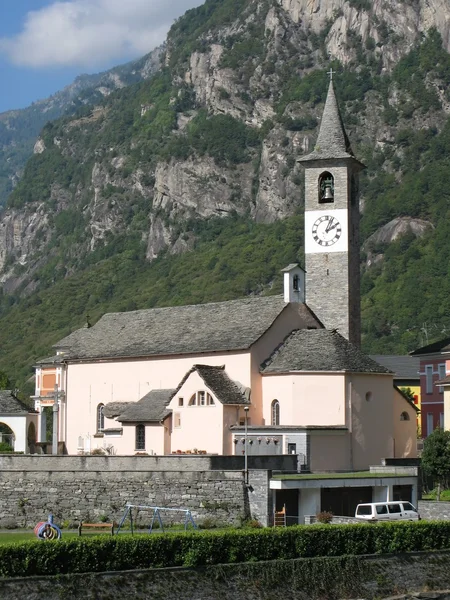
(156, 516)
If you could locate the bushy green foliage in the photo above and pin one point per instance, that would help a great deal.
(436, 456)
(223, 137)
(212, 548)
(233, 257)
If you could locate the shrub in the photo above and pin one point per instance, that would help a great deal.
(324, 517)
(211, 548)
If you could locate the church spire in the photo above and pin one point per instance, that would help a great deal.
(332, 141)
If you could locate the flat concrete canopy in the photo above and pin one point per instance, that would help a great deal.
(316, 480)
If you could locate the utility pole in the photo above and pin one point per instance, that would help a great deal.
(246, 409)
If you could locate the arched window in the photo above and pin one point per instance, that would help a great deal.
(275, 418)
(140, 436)
(7, 437)
(326, 188)
(201, 398)
(100, 418)
(404, 416)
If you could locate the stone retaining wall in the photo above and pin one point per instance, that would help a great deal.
(430, 509)
(93, 488)
(406, 576)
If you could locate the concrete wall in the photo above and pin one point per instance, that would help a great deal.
(405, 427)
(371, 419)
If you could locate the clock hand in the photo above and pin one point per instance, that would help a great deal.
(329, 226)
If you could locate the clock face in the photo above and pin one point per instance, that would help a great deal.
(326, 230)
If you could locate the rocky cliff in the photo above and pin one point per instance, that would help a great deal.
(215, 134)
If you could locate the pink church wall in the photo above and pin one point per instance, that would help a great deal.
(200, 426)
(91, 384)
(289, 320)
(306, 398)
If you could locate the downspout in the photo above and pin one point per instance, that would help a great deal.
(66, 369)
(350, 418)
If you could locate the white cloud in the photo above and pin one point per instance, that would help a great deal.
(89, 33)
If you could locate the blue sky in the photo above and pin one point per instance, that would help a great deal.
(45, 44)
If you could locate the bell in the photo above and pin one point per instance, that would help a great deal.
(328, 194)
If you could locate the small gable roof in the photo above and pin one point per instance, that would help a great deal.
(57, 359)
(434, 348)
(193, 329)
(319, 350)
(9, 404)
(216, 379)
(151, 407)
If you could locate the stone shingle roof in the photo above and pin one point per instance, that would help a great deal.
(214, 327)
(403, 367)
(319, 350)
(332, 141)
(152, 407)
(57, 359)
(224, 389)
(10, 404)
(114, 409)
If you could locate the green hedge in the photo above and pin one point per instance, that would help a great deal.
(212, 548)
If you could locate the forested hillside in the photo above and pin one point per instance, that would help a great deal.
(185, 187)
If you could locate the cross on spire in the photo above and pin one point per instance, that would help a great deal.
(331, 73)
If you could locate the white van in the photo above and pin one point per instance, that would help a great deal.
(387, 511)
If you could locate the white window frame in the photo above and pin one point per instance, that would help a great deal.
(429, 379)
(441, 369)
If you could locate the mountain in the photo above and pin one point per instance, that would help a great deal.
(185, 187)
(19, 129)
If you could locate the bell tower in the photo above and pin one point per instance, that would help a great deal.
(332, 225)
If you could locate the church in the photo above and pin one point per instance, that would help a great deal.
(261, 375)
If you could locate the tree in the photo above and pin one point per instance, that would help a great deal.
(5, 382)
(436, 457)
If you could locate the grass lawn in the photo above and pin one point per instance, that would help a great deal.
(10, 537)
(445, 495)
(20, 535)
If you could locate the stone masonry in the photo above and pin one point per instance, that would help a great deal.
(332, 279)
(94, 488)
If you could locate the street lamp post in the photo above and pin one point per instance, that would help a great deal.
(55, 422)
(246, 409)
